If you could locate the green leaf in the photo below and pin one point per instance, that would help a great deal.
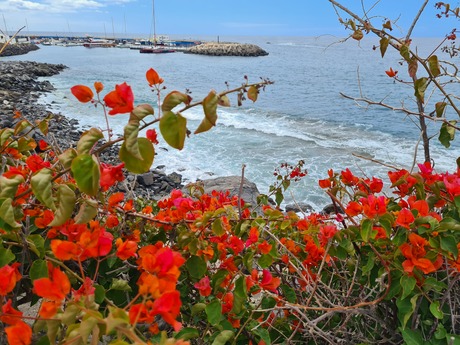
(217, 279)
(449, 244)
(263, 334)
(440, 107)
(39, 269)
(70, 314)
(88, 139)
(265, 260)
(240, 295)
(412, 337)
(447, 133)
(366, 229)
(21, 126)
(117, 317)
(43, 126)
(407, 284)
(85, 170)
(66, 203)
(87, 212)
(6, 256)
(406, 308)
(210, 112)
(436, 311)
(217, 227)
(37, 245)
(99, 294)
(87, 326)
(253, 92)
(223, 337)
(420, 86)
(214, 312)
(405, 52)
(131, 132)
(67, 157)
(135, 165)
(433, 63)
(289, 293)
(187, 333)
(7, 213)
(9, 186)
(173, 99)
(384, 41)
(197, 308)
(141, 111)
(120, 284)
(41, 186)
(196, 267)
(173, 128)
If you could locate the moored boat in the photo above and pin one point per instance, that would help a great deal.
(156, 50)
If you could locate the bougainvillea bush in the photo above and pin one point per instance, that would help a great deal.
(81, 263)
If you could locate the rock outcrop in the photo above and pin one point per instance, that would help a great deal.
(18, 49)
(227, 49)
(232, 183)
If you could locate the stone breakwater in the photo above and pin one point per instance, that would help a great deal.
(18, 49)
(227, 49)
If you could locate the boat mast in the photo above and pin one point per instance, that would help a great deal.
(154, 24)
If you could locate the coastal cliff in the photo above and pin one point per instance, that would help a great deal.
(227, 49)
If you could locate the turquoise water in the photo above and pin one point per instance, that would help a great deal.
(301, 116)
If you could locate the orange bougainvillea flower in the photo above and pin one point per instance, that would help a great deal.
(391, 73)
(65, 250)
(121, 100)
(19, 334)
(415, 252)
(153, 78)
(83, 93)
(374, 206)
(44, 219)
(168, 306)
(98, 86)
(126, 249)
(48, 309)
(55, 287)
(204, 286)
(405, 218)
(353, 209)
(264, 247)
(9, 276)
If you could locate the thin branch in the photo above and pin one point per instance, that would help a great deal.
(417, 17)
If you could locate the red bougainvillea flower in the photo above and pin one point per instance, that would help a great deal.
(168, 306)
(121, 100)
(55, 287)
(9, 276)
(9, 315)
(391, 73)
(268, 282)
(204, 286)
(153, 78)
(43, 145)
(110, 174)
(83, 93)
(19, 334)
(405, 218)
(151, 135)
(45, 218)
(326, 232)
(264, 247)
(227, 302)
(348, 178)
(452, 183)
(374, 206)
(98, 86)
(35, 163)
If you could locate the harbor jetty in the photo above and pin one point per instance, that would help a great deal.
(18, 49)
(227, 49)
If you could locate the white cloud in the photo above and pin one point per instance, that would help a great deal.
(57, 6)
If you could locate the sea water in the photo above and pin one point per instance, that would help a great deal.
(302, 116)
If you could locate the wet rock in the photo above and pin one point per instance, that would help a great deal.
(332, 209)
(232, 184)
(18, 49)
(299, 207)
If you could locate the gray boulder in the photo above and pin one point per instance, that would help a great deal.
(232, 184)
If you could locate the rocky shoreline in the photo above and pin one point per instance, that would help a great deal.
(227, 49)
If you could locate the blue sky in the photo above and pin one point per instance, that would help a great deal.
(211, 17)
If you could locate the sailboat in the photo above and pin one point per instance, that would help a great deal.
(155, 49)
